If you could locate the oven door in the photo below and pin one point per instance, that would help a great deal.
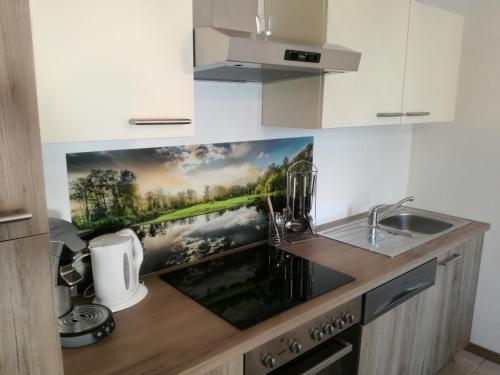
(337, 356)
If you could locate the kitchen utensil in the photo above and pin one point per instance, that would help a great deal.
(301, 191)
(272, 219)
(277, 232)
(116, 261)
(296, 225)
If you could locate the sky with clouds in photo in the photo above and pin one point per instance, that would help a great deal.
(178, 168)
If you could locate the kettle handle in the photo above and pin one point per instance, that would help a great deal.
(138, 252)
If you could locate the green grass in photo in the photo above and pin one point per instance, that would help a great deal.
(206, 208)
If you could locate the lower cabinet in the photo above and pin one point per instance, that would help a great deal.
(29, 340)
(423, 334)
(455, 293)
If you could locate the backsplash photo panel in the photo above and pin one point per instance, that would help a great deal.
(184, 202)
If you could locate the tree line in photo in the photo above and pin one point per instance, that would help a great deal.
(111, 198)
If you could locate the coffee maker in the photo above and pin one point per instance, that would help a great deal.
(79, 324)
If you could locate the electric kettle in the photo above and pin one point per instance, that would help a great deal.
(116, 261)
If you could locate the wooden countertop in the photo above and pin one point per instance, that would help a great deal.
(168, 333)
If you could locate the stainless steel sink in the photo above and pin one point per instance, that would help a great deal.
(405, 229)
(415, 223)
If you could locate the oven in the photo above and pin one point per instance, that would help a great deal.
(326, 345)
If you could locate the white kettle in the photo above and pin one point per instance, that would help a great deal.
(116, 260)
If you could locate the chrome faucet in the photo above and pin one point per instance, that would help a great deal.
(374, 217)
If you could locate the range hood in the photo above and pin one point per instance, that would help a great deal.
(233, 55)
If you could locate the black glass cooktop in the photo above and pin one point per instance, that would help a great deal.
(252, 285)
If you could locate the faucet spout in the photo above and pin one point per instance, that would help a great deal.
(395, 206)
(375, 214)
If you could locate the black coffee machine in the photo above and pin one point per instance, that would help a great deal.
(79, 324)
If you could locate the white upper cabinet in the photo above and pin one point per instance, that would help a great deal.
(409, 68)
(378, 29)
(433, 64)
(100, 63)
(408, 73)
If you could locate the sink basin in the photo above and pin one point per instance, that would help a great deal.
(415, 227)
(416, 223)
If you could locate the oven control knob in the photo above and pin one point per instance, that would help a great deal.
(328, 329)
(316, 334)
(295, 347)
(348, 318)
(268, 360)
(339, 323)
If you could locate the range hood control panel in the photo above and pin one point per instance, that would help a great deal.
(302, 56)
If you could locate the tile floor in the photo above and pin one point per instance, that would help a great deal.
(466, 363)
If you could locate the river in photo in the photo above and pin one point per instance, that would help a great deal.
(186, 240)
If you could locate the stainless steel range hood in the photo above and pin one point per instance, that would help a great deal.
(232, 55)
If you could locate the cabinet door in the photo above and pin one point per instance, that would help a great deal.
(433, 64)
(100, 63)
(29, 340)
(399, 342)
(455, 288)
(21, 173)
(379, 30)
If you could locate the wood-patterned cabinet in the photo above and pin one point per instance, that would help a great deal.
(455, 294)
(29, 340)
(422, 335)
(100, 64)
(21, 173)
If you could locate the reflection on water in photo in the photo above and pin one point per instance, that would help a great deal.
(180, 241)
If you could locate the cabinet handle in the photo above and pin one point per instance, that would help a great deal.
(390, 114)
(162, 121)
(416, 114)
(450, 260)
(15, 217)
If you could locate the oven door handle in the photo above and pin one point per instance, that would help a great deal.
(346, 349)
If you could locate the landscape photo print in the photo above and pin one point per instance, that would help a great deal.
(184, 202)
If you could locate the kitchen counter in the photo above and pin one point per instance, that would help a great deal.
(168, 333)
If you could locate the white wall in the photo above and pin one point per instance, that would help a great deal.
(455, 168)
(358, 167)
